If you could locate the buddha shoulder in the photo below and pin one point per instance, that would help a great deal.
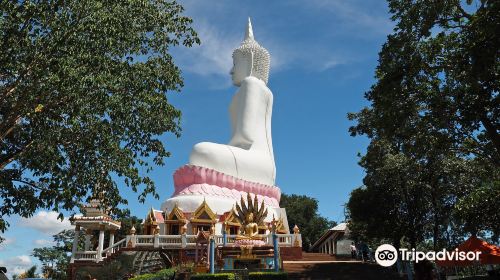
(254, 85)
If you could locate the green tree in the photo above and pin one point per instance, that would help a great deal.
(457, 44)
(30, 273)
(302, 211)
(479, 210)
(83, 99)
(127, 222)
(433, 122)
(55, 259)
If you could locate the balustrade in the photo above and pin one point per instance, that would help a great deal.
(174, 241)
(86, 255)
(170, 240)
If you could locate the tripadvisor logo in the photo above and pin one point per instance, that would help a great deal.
(387, 255)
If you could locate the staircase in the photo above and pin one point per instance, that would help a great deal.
(147, 262)
(326, 267)
(319, 257)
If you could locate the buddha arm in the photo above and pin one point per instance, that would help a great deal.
(246, 111)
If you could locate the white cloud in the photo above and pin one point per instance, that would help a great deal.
(355, 15)
(17, 264)
(220, 26)
(213, 56)
(7, 241)
(331, 63)
(46, 222)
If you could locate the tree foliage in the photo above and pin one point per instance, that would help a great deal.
(127, 222)
(433, 124)
(83, 98)
(55, 259)
(302, 211)
(30, 273)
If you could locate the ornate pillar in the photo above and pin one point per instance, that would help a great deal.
(88, 234)
(131, 238)
(112, 239)
(276, 252)
(100, 244)
(184, 236)
(196, 253)
(212, 255)
(224, 237)
(156, 237)
(75, 243)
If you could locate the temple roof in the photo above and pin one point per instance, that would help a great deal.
(95, 222)
(154, 216)
(340, 227)
(158, 216)
(338, 231)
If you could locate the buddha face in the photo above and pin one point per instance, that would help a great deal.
(249, 218)
(242, 68)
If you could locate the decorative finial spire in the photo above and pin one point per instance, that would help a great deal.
(249, 31)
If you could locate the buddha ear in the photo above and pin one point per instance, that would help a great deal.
(251, 63)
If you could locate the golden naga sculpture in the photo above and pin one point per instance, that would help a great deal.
(250, 216)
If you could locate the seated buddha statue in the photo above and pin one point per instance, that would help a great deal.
(249, 232)
(249, 153)
(251, 229)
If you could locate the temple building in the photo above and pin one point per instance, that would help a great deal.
(203, 218)
(335, 241)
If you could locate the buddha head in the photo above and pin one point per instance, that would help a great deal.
(250, 59)
(249, 218)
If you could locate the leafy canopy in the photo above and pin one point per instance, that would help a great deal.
(55, 259)
(83, 98)
(302, 211)
(433, 124)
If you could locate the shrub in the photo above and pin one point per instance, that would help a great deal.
(218, 276)
(165, 274)
(268, 276)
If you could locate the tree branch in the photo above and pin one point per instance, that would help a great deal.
(492, 133)
(463, 12)
(11, 157)
(31, 184)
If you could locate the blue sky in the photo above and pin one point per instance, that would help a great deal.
(323, 55)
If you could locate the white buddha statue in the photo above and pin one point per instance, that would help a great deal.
(249, 153)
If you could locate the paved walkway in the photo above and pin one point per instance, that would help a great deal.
(325, 267)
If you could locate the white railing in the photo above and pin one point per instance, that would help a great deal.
(85, 256)
(170, 240)
(115, 247)
(285, 240)
(190, 240)
(144, 240)
(177, 241)
(219, 239)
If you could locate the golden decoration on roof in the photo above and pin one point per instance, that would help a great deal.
(175, 216)
(204, 214)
